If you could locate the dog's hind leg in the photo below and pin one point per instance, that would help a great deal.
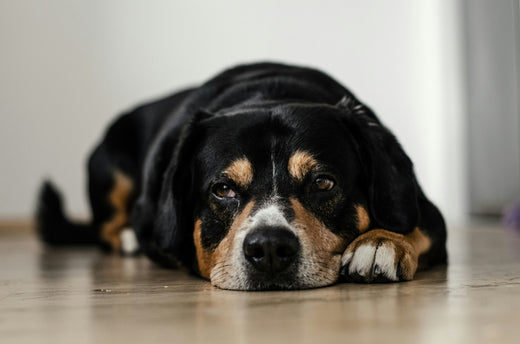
(111, 196)
(119, 199)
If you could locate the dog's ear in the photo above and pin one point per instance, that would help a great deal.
(392, 186)
(162, 216)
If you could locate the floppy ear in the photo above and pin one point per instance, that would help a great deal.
(392, 186)
(161, 214)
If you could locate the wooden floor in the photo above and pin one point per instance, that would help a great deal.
(83, 296)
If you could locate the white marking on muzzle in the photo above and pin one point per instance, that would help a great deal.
(271, 216)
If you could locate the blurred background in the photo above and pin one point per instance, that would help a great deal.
(442, 74)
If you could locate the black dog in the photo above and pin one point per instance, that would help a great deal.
(266, 177)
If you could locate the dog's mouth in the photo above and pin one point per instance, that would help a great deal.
(300, 274)
(254, 282)
(283, 280)
(271, 286)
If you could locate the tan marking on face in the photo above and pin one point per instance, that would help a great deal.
(241, 172)
(118, 199)
(208, 259)
(203, 255)
(363, 220)
(323, 242)
(408, 248)
(300, 164)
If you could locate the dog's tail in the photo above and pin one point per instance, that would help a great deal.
(53, 226)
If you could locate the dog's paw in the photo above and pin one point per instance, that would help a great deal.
(129, 245)
(379, 256)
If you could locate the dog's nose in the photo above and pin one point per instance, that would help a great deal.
(271, 249)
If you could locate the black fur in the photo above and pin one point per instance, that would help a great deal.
(53, 226)
(172, 147)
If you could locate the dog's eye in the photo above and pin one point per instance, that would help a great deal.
(322, 184)
(223, 191)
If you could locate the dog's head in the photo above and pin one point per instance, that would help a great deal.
(269, 197)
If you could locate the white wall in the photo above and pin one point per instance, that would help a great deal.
(68, 67)
(493, 46)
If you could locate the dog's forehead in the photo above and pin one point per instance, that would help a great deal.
(278, 133)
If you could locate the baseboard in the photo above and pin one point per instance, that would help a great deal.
(7, 224)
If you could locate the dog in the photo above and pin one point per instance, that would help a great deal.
(268, 176)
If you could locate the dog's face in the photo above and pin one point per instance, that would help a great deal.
(276, 195)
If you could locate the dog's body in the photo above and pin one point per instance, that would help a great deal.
(266, 177)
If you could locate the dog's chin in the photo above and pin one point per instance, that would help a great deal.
(257, 282)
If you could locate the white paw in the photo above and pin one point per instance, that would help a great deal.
(379, 256)
(129, 243)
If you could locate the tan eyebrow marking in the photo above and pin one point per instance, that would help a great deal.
(240, 171)
(300, 164)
